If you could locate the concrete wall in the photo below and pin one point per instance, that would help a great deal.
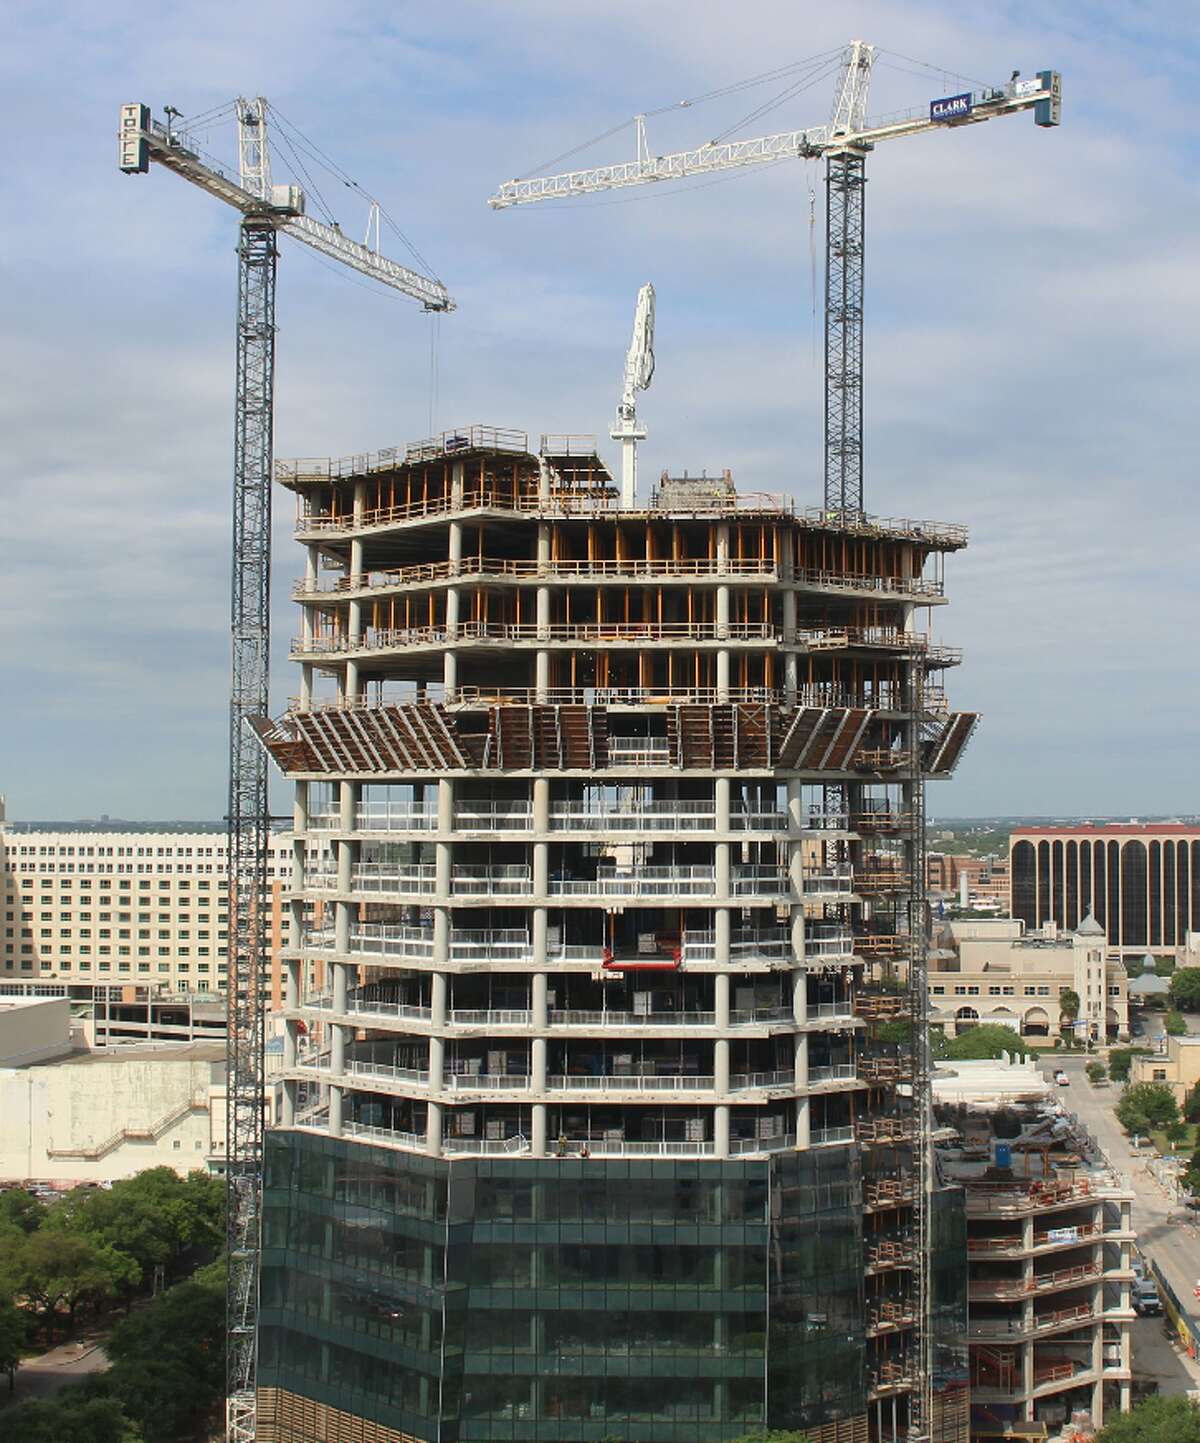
(106, 1117)
(33, 1029)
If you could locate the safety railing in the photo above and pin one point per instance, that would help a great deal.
(572, 1017)
(654, 1083)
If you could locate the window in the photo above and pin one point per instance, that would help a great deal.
(1160, 1074)
(938, 991)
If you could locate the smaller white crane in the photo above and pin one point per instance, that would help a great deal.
(639, 370)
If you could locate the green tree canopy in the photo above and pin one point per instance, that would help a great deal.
(1191, 1105)
(1096, 1071)
(21, 1210)
(1191, 1174)
(1068, 1003)
(1119, 1059)
(1158, 1420)
(988, 1040)
(1185, 989)
(64, 1272)
(71, 1416)
(1164, 966)
(168, 1360)
(1146, 1106)
(1174, 1025)
(153, 1218)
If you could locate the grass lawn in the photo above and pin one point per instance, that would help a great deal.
(1185, 1147)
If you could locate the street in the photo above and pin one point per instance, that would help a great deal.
(41, 1376)
(1174, 1246)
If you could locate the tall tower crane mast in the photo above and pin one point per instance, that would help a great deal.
(844, 143)
(267, 210)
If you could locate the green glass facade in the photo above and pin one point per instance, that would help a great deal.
(572, 1299)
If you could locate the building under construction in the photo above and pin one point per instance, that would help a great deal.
(605, 1113)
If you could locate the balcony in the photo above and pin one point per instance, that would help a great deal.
(575, 1018)
(416, 943)
(562, 634)
(836, 882)
(635, 817)
(1012, 1289)
(702, 946)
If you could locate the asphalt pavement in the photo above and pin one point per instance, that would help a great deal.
(41, 1376)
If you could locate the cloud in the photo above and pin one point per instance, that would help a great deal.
(1029, 353)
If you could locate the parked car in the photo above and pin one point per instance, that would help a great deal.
(1145, 1298)
(1061, 1078)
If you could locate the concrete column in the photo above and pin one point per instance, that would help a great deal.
(723, 674)
(541, 1012)
(541, 869)
(721, 1066)
(291, 984)
(449, 675)
(791, 658)
(541, 676)
(458, 473)
(341, 927)
(721, 792)
(337, 1050)
(721, 1130)
(722, 991)
(441, 937)
(724, 871)
(437, 1064)
(800, 997)
(543, 546)
(335, 1112)
(722, 548)
(722, 935)
(538, 936)
(454, 549)
(803, 1123)
(800, 1059)
(541, 805)
(538, 1065)
(445, 805)
(722, 612)
(437, 999)
(442, 881)
(306, 677)
(543, 481)
(341, 974)
(453, 608)
(433, 1129)
(538, 1140)
(351, 691)
(287, 1112)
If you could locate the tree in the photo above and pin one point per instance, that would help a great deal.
(1068, 1007)
(1158, 1420)
(168, 1360)
(54, 1272)
(1096, 1072)
(21, 1210)
(988, 1040)
(1164, 966)
(73, 1416)
(1119, 1059)
(14, 1333)
(1191, 1175)
(1176, 1132)
(1191, 1105)
(155, 1218)
(1185, 989)
(1146, 1106)
(1174, 1025)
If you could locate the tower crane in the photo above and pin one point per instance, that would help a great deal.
(267, 210)
(844, 143)
(639, 371)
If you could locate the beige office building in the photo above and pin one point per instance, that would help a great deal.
(991, 971)
(133, 910)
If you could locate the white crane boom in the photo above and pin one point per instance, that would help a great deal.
(639, 370)
(1044, 91)
(143, 139)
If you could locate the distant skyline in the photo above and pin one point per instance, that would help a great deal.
(1030, 353)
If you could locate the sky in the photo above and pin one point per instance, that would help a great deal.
(1031, 351)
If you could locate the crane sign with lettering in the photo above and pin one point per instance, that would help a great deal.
(952, 107)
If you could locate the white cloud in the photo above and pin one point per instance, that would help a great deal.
(1030, 349)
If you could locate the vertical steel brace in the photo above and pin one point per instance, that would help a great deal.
(845, 240)
(249, 819)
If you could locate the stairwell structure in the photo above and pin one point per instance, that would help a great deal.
(602, 1115)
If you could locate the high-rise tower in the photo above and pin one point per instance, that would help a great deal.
(603, 1105)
